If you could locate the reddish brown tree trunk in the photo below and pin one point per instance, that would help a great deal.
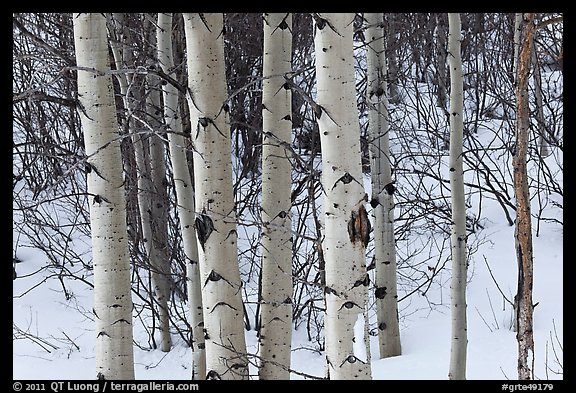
(523, 235)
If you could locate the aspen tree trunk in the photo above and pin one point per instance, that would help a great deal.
(542, 129)
(184, 195)
(459, 340)
(346, 223)
(158, 157)
(146, 194)
(160, 265)
(276, 309)
(523, 232)
(110, 256)
(215, 218)
(517, 44)
(517, 36)
(382, 191)
(441, 65)
(392, 71)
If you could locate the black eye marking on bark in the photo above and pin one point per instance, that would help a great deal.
(382, 326)
(232, 233)
(349, 305)
(287, 301)
(351, 359)
(204, 122)
(213, 276)
(283, 25)
(121, 320)
(346, 179)
(281, 214)
(317, 110)
(204, 227)
(103, 333)
(365, 281)
(213, 375)
(380, 292)
(100, 377)
(390, 188)
(206, 335)
(238, 366)
(320, 22)
(222, 304)
(374, 202)
(99, 199)
(359, 226)
(328, 290)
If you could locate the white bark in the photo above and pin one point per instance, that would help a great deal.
(215, 219)
(459, 340)
(346, 223)
(110, 257)
(276, 309)
(147, 196)
(382, 191)
(184, 195)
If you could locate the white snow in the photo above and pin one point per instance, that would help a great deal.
(63, 347)
(358, 345)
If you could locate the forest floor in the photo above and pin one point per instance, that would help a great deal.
(53, 338)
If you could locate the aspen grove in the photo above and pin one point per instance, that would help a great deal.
(276, 196)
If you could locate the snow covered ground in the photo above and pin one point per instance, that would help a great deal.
(60, 343)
